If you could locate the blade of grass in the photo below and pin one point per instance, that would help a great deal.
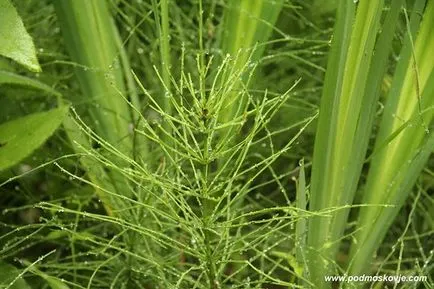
(323, 143)
(12, 78)
(91, 42)
(161, 15)
(301, 226)
(246, 23)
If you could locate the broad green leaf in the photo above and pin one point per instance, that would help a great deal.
(12, 78)
(20, 137)
(15, 42)
(5, 64)
(9, 277)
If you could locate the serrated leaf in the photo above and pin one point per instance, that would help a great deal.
(20, 137)
(15, 42)
(8, 277)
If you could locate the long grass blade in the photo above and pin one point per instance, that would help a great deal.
(389, 181)
(90, 39)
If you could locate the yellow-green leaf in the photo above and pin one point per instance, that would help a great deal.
(20, 137)
(15, 42)
(13, 78)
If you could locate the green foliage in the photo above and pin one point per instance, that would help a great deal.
(91, 41)
(356, 67)
(15, 42)
(11, 277)
(20, 137)
(395, 167)
(219, 144)
(12, 78)
(246, 24)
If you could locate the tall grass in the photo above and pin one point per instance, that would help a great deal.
(92, 42)
(403, 144)
(245, 25)
(356, 67)
(335, 161)
(90, 38)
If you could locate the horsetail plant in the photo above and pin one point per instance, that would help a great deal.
(204, 237)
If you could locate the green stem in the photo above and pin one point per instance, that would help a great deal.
(162, 24)
(301, 225)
